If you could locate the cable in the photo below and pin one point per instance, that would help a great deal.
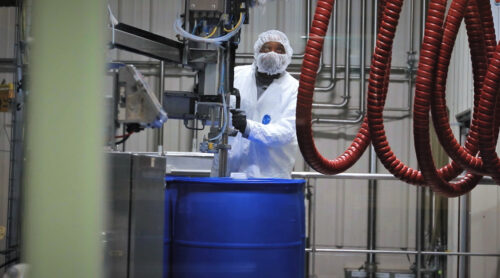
(224, 104)
(236, 26)
(125, 138)
(214, 30)
(124, 135)
(217, 41)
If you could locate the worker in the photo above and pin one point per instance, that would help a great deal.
(266, 144)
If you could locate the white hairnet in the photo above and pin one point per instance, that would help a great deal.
(273, 36)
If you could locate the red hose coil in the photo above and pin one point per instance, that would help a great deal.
(480, 51)
(430, 89)
(441, 52)
(307, 81)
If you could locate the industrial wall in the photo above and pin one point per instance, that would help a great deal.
(341, 205)
(7, 36)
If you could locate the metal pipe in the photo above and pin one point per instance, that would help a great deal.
(357, 120)
(464, 222)
(371, 263)
(347, 84)
(347, 176)
(366, 176)
(419, 236)
(411, 55)
(223, 152)
(419, 230)
(362, 66)
(333, 72)
(374, 24)
(401, 252)
(161, 90)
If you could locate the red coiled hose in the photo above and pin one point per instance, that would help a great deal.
(480, 51)
(307, 82)
(375, 105)
(489, 106)
(423, 97)
(438, 42)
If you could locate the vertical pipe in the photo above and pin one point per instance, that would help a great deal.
(227, 57)
(419, 229)
(374, 24)
(347, 50)
(362, 65)
(464, 235)
(411, 54)
(63, 197)
(420, 190)
(371, 264)
(464, 222)
(161, 90)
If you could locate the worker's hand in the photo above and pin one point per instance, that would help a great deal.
(239, 120)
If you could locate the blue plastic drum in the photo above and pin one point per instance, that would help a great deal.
(224, 227)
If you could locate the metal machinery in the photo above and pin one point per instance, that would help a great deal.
(133, 235)
(213, 35)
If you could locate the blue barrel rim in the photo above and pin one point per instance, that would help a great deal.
(227, 180)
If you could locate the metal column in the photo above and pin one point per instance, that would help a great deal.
(161, 90)
(371, 263)
(64, 178)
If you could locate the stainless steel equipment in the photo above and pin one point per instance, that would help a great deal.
(209, 35)
(133, 236)
(136, 102)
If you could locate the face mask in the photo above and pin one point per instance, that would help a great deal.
(272, 62)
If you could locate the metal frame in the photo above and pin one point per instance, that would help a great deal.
(142, 42)
(312, 249)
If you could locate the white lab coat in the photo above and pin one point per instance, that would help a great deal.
(270, 149)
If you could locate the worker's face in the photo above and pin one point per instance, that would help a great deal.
(272, 58)
(273, 46)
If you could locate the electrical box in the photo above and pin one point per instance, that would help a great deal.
(6, 97)
(206, 5)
